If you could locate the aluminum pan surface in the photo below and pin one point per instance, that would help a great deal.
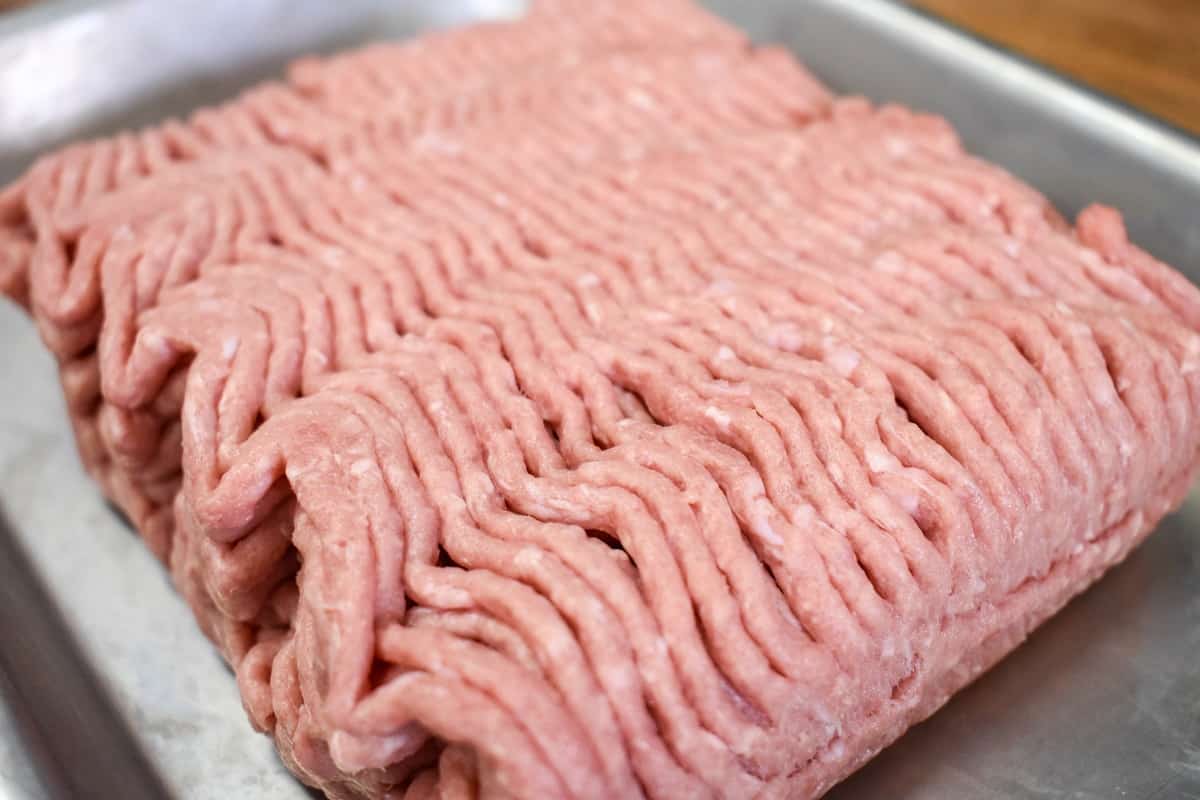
(1102, 703)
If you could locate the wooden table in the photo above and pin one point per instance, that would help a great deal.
(1146, 52)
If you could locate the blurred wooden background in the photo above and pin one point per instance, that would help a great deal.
(1146, 52)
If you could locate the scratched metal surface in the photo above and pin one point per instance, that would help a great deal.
(1103, 702)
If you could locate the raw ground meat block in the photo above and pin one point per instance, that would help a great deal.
(594, 406)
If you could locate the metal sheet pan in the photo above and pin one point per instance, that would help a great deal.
(1103, 702)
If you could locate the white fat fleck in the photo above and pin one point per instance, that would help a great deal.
(587, 280)
(1012, 248)
(658, 317)
(835, 752)
(528, 557)
(729, 389)
(803, 515)
(852, 306)
(721, 418)
(333, 256)
(153, 340)
(750, 740)
(835, 422)
(437, 143)
(595, 607)
(880, 460)
(719, 202)
(229, 347)
(437, 407)
(1077, 549)
(721, 287)
(844, 361)
(889, 263)
(661, 645)
(282, 129)
(910, 503)
(195, 204)
(828, 721)
(826, 324)
(639, 98)
(835, 472)
(1112, 548)
(557, 507)
(1191, 358)
(319, 358)
(785, 337)
(500, 199)
(354, 753)
(762, 524)
(789, 157)
(1123, 384)
(294, 473)
(361, 466)
(560, 647)
(724, 353)
(358, 183)
(1063, 308)
(621, 680)
(975, 586)
(123, 233)
(264, 477)
(1104, 392)
(593, 312)
(897, 147)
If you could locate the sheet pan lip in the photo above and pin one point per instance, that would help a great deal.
(1098, 95)
(67, 720)
(44, 12)
(1113, 119)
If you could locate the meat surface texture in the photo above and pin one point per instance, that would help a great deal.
(593, 405)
